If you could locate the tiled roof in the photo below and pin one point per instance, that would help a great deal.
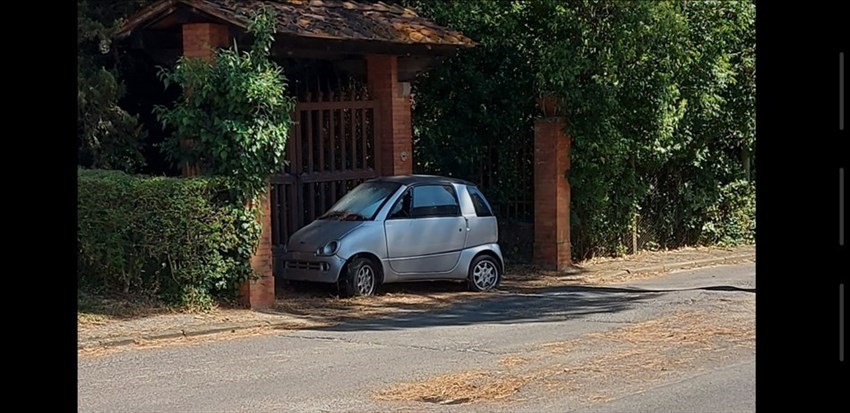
(322, 19)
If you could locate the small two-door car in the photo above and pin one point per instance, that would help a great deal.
(397, 229)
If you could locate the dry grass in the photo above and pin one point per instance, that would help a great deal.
(339, 309)
(653, 349)
(89, 319)
(514, 361)
(561, 347)
(95, 310)
(607, 362)
(599, 398)
(529, 278)
(685, 328)
(170, 342)
(457, 388)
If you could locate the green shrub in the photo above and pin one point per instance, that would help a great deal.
(732, 218)
(235, 110)
(180, 239)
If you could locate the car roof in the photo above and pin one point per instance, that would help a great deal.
(422, 179)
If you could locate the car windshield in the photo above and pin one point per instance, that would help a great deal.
(362, 203)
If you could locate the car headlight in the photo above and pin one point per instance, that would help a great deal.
(328, 249)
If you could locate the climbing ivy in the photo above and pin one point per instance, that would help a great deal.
(234, 114)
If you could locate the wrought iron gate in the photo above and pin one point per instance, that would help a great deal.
(331, 150)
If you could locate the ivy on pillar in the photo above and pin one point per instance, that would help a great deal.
(200, 40)
(259, 293)
(551, 194)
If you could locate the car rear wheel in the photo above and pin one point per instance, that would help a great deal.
(484, 274)
(360, 278)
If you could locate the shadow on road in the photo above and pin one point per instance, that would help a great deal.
(548, 305)
(545, 305)
(728, 288)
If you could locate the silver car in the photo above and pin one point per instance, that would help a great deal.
(397, 229)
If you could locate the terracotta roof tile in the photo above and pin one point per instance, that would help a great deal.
(328, 19)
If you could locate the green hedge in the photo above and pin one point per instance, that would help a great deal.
(179, 239)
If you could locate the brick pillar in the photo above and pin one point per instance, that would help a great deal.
(260, 293)
(395, 130)
(200, 41)
(551, 194)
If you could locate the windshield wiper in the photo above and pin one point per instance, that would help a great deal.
(333, 214)
(352, 216)
(343, 216)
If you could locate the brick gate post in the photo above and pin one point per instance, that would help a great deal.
(395, 131)
(551, 194)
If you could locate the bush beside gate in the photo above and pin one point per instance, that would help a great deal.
(182, 240)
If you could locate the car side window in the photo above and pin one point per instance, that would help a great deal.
(401, 209)
(482, 208)
(434, 201)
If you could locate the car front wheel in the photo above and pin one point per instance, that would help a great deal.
(360, 278)
(484, 274)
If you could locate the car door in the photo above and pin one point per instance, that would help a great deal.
(425, 231)
(483, 227)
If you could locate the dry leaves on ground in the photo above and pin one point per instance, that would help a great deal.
(456, 388)
(636, 353)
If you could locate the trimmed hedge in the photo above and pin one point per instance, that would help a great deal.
(183, 240)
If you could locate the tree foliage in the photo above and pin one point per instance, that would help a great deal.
(473, 113)
(234, 111)
(108, 136)
(658, 96)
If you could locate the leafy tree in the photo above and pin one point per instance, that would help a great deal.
(658, 97)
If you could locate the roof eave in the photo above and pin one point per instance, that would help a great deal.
(151, 12)
(158, 10)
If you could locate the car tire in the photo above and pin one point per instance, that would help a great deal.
(360, 278)
(484, 274)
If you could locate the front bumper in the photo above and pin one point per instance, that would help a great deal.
(307, 266)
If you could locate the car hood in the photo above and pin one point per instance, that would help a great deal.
(318, 233)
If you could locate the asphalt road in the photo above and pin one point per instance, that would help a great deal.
(680, 342)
